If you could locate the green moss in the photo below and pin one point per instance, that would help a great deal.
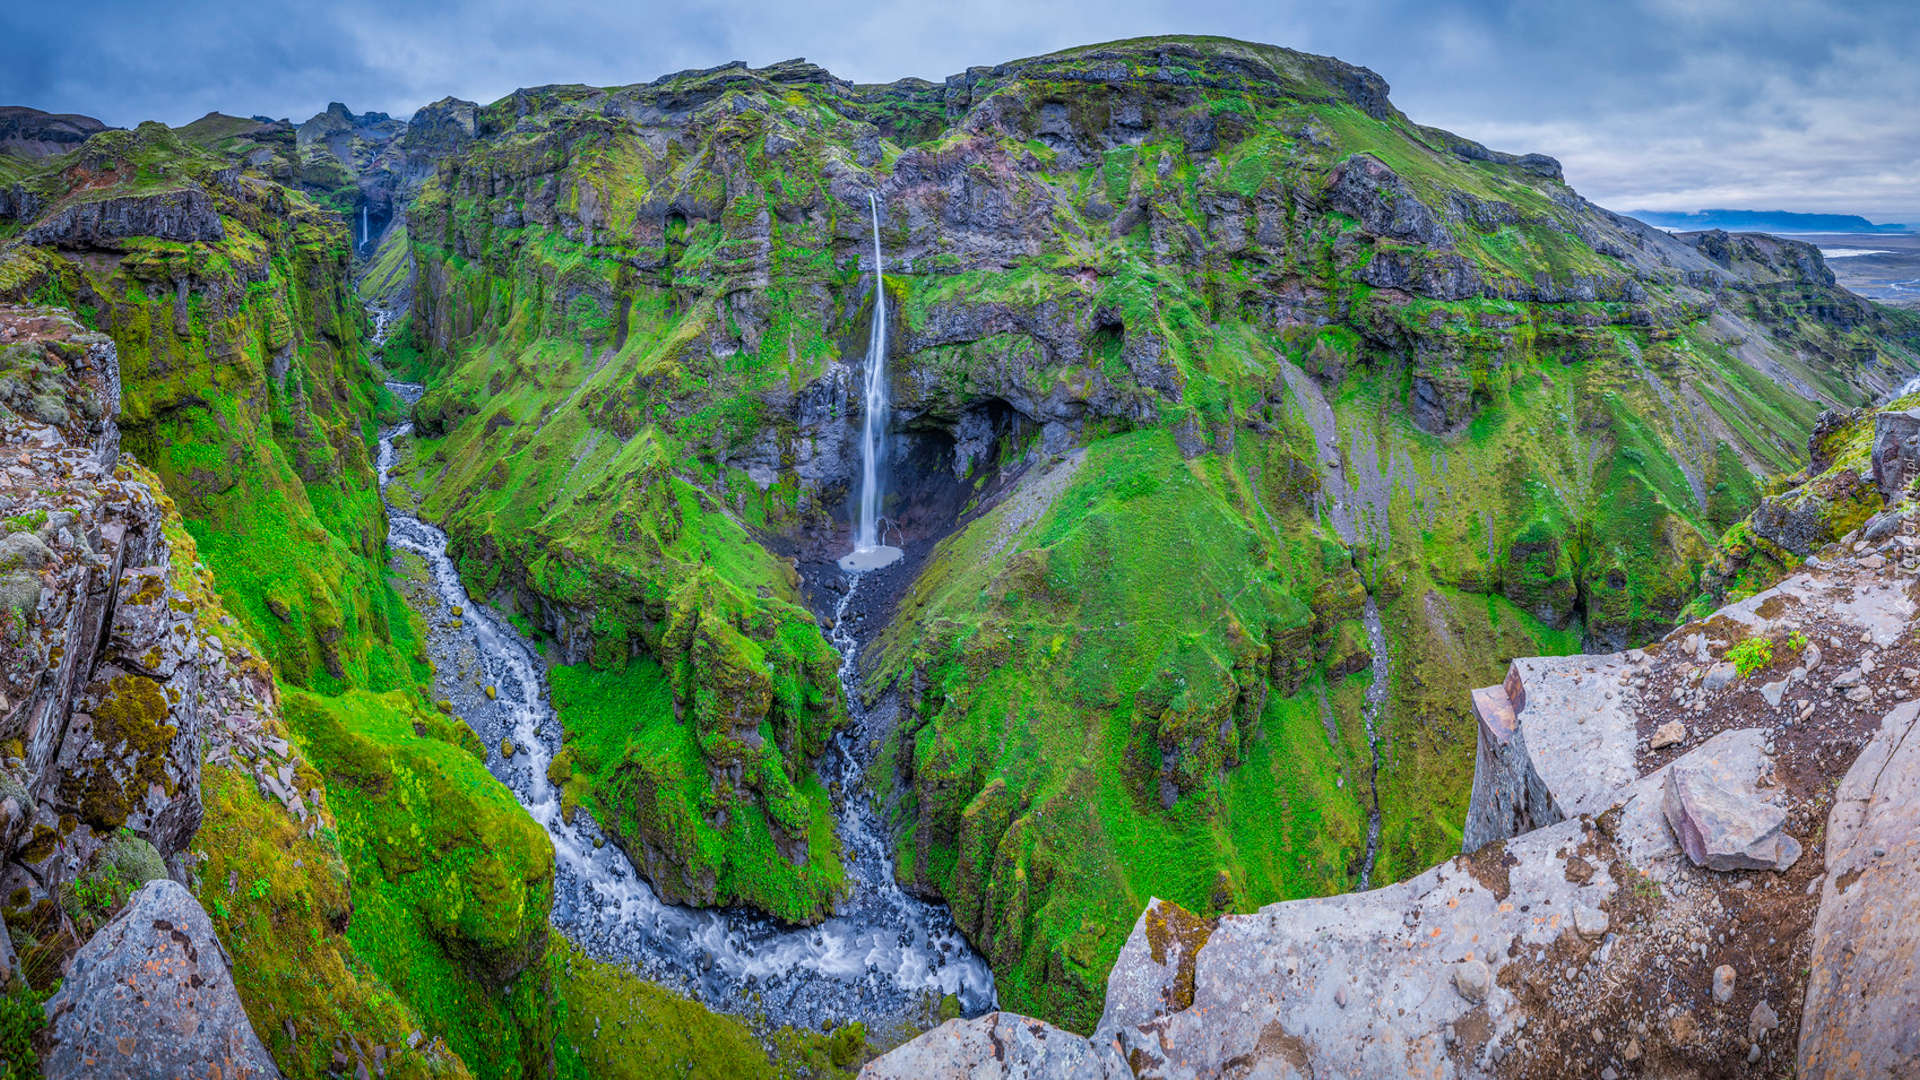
(642, 773)
(452, 881)
(617, 1026)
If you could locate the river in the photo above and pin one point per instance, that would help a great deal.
(881, 958)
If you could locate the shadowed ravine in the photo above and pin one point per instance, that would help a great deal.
(877, 960)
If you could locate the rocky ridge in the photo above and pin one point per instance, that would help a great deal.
(114, 681)
(1581, 933)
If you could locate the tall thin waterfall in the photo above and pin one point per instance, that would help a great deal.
(363, 225)
(868, 552)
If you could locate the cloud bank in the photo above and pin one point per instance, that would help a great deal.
(1663, 104)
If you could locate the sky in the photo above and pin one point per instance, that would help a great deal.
(1654, 104)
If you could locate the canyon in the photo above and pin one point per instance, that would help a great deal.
(753, 574)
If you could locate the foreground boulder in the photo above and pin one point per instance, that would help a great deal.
(152, 995)
(1718, 826)
(997, 1046)
(1863, 999)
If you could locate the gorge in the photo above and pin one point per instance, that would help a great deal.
(852, 559)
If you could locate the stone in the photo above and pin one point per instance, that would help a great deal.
(1874, 561)
(1863, 991)
(1340, 996)
(1590, 922)
(1894, 454)
(1811, 658)
(1753, 1053)
(1719, 822)
(1632, 1052)
(1667, 734)
(1720, 675)
(1762, 1021)
(1774, 691)
(152, 993)
(1471, 978)
(997, 1046)
(1849, 677)
(1882, 525)
(1723, 979)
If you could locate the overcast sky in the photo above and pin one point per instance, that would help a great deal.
(1662, 104)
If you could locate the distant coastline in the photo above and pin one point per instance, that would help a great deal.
(1768, 221)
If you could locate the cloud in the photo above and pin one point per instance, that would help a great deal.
(1789, 104)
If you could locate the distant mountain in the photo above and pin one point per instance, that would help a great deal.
(1762, 221)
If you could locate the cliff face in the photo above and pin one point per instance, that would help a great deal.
(1197, 347)
(142, 736)
(245, 383)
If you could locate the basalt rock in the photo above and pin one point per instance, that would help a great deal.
(185, 216)
(1896, 451)
(152, 994)
(1367, 190)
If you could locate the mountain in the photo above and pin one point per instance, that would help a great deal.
(1763, 221)
(1238, 426)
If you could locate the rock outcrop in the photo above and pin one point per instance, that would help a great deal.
(1579, 934)
(1863, 999)
(112, 680)
(152, 994)
(184, 216)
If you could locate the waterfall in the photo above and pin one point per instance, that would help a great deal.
(868, 552)
(364, 236)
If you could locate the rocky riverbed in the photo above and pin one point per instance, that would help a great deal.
(890, 961)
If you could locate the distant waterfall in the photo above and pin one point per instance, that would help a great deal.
(364, 234)
(868, 552)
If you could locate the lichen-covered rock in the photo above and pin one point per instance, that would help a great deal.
(111, 676)
(150, 995)
(1863, 995)
(1896, 450)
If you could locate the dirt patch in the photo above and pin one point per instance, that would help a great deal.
(1490, 866)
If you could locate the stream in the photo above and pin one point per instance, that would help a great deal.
(882, 958)
(1377, 690)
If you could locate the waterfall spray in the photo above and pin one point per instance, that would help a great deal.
(868, 552)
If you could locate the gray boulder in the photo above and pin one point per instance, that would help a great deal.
(1720, 822)
(151, 995)
(998, 1046)
(1896, 450)
(1862, 1015)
